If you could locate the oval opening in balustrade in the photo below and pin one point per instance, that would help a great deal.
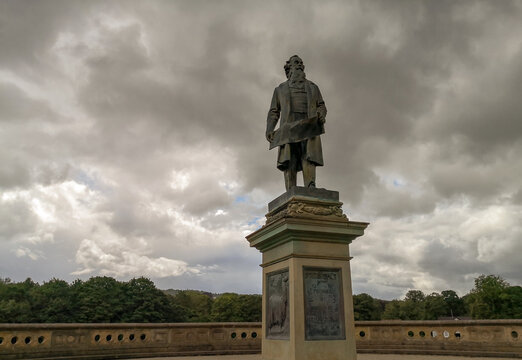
(233, 335)
(143, 337)
(1, 340)
(120, 337)
(14, 339)
(27, 340)
(457, 334)
(422, 333)
(445, 334)
(362, 334)
(410, 333)
(97, 337)
(434, 333)
(108, 337)
(131, 337)
(254, 335)
(243, 335)
(514, 334)
(41, 339)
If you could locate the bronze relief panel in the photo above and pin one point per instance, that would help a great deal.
(324, 305)
(277, 305)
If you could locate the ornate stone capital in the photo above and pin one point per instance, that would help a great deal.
(304, 208)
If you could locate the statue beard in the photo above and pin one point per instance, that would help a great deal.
(297, 77)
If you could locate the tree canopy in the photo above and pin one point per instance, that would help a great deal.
(491, 298)
(104, 299)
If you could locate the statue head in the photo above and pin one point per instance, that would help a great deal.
(295, 63)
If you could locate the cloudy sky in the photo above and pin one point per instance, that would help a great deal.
(132, 137)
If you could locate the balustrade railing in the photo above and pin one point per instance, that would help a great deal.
(499, 338)
(105, 341)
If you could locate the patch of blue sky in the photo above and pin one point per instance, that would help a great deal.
(390, 179)
(398, 183)
(241, 199)
(254, 220)
(82, 177)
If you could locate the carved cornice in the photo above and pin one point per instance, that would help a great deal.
(308, 209)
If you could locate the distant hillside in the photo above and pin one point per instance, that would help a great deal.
(174, 292)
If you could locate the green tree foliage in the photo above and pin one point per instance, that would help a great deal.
(234, 307)
(411, 308)
(392, 310)
(434, 306)
(511, 307)
(16, 302)
(52, 302)
(366, 307)
(493, 298)
(250, 308)
(195, 304)
(99, 299)
(104, 299)
(414, 305)
(145, 303)
(226, 308)
(202, 307)
(454, 304)
(417, 306)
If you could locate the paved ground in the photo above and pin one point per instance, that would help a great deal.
(359, 357)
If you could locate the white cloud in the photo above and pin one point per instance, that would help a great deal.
(24, 251)
(115, 258)
(180, 180)
(441, 250)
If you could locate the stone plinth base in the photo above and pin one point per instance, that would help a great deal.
(307, 292)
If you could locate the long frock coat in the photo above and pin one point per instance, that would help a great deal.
(291, 132)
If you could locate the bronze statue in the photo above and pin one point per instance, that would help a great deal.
(299, 106)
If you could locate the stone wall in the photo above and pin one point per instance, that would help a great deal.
(499, 338)
(105, 341)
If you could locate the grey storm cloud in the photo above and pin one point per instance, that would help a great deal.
(133, 137)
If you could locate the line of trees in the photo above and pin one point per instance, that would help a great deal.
(491, 298)
(104, 299)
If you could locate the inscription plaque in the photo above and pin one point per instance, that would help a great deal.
(277, 305)
(324, 306)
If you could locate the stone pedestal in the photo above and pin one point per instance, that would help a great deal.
(307, 287)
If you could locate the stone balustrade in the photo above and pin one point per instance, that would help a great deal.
(105, 341)
(499, 338)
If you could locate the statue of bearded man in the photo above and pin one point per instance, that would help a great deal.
(299, 107)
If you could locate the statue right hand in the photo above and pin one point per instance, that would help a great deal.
(270, 136)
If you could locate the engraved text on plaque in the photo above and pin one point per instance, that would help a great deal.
(324, 307)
